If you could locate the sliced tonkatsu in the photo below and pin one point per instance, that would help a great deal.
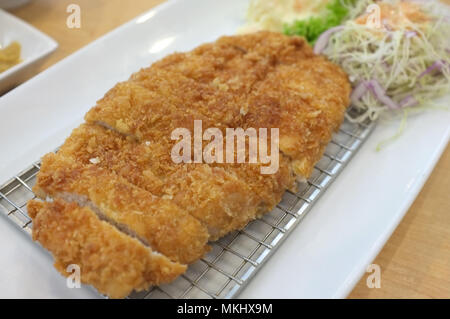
(121, 206)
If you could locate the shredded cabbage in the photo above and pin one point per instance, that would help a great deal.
(411, 63)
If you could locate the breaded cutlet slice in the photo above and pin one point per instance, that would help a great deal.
(268, 188)
(265, 46)
(224, 197)
(237, 62)
(306, 101)
(217, 104)
(142, 163)
(148, 165)
(210, 83)
(149, 114)
(233, 65)
(260, 80)
(155, 221)
(218, 199)
(132, 110)
(114, 263)
(302, 94)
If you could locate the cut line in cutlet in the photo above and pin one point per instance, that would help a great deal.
(307, 102)
(217, 199)
(156, 222)
(223, 197)
(235, 63)
(111, 261)
(134, 111)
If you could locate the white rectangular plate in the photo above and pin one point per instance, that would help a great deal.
(324, 256)
(36, 46)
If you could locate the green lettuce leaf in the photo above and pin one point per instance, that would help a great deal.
(333, 15)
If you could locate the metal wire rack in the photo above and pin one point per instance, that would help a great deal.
(236, 258)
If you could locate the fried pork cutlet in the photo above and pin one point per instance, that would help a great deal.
(224, 197)
(219, 197)
(111, 261)
(306, 101)
(289, 86)
(133, 110)
(212, 102)
(276, 80)
(235, 64)
(155, 221)
(119, 163)
(210, 83)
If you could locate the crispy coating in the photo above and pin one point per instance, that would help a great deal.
(210, 102)
(236, 63)
(306, 101)
(119, 162)
(260, 80)
(224, 197)
(133, 110)
(158, 222)
(219, 197)
(220, 200)
(141, 163)
(267, 188)
(210, 83)
(111, 261)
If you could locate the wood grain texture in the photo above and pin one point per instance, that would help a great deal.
(415, 262)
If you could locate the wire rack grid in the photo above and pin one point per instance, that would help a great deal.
(236, 258)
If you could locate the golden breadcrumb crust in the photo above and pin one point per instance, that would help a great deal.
(160, 223)
(260, 80)
(111, 261)
(307, 102)
(218, 199)
(118, 164)
(224, 197)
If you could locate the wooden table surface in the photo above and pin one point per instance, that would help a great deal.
(415, 263)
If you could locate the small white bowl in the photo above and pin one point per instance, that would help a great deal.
(36, 46)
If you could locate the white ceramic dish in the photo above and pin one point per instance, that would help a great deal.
(324, 256)
(36, 46)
